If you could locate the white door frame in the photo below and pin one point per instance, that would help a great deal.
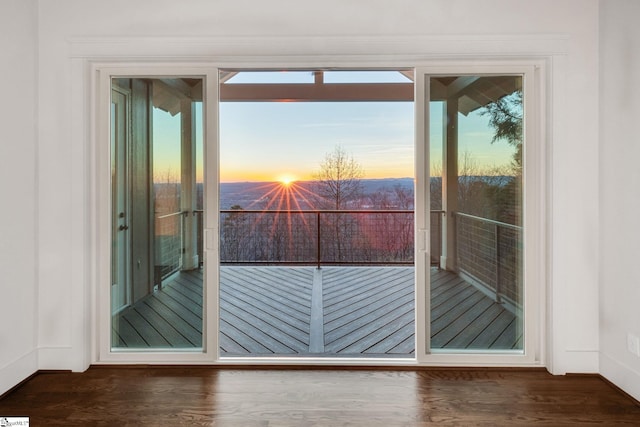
(533, 71)
(534, 208)
(103, 353)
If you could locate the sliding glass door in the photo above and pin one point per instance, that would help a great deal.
(476, 300)
(342, 214)
(477, 144)
(156, 216)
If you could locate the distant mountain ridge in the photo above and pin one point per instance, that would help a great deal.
(256, 194)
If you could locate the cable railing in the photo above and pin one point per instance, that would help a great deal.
(316, 237)
(487, 251)
(435, 244)
(168, 244)
(490, 253)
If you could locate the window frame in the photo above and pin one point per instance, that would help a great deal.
(103, 351)
(533, 71)
(533, 208)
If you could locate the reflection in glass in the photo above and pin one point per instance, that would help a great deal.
(157, 284)
(476, 179)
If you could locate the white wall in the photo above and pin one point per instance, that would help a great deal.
(18, 255)
(284, 26)
(619, 191)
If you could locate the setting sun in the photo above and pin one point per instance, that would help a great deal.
(286, 179)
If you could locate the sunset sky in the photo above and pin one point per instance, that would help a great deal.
(266, 141)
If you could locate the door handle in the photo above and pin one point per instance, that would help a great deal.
(123, 227)
(423, 242)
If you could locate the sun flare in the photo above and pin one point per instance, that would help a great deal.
(286, 179)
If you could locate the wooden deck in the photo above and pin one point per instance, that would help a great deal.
(302, 311)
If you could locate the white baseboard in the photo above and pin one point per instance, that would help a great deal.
(621, 375)
(582, 361)
(60, 358)
(18, 370)
(574, 362)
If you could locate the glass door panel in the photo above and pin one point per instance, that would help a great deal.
(476, 147)
(157, 283)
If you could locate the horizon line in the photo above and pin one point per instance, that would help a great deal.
(275, 181)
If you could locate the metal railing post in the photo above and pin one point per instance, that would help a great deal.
(497, 232)
(318, 247)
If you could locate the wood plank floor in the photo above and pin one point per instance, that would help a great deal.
(207, 396)
(335, 311)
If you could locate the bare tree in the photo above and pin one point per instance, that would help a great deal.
(338, 182)
(338, 186)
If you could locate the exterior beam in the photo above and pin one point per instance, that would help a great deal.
(356, 92)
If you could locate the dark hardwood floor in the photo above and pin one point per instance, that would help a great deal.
(206, 396)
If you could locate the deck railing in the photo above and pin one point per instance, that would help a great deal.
(168, 244)
(316, 237)
(490, 252)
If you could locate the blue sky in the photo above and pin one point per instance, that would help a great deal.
(267, 140)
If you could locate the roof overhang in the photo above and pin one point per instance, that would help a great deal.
(471, 92)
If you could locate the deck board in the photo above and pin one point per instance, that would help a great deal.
(242, 302)
(273, 339)
(284, 287)
(172, 324)
(490, 334)
(262, 301)
(181, 311)
(270, 306)
(445, 337)
(264, 320)
(144, 326)
(369, 314)
(509, 338)
(364, 302)
(407, 346)
(366, 312)
(278, 295)
(239, 338)
(376, 332)
(228, 345)
(125, 335)
(481, 321)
